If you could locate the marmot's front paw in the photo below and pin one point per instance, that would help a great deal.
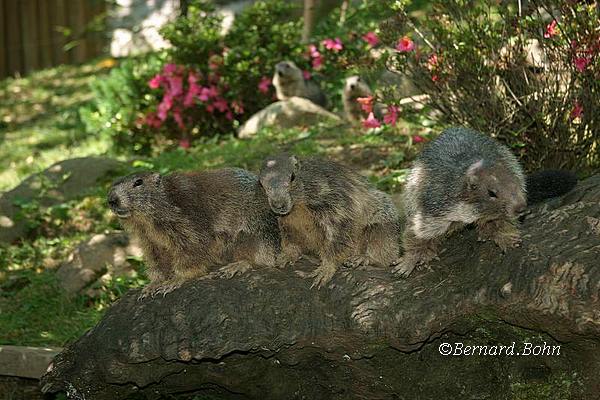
(405, 267)
(230, 270)
(148, 291)
(321, 275)
(356, 261)
(508, 239)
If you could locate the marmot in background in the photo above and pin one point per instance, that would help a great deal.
(289, 82)
(330, 211)
(354, 88)
(190, 222)
(465, 177)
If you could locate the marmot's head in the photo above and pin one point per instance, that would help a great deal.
(278, 178)
(134, 194)
(356, 87)
(495, 190)
(288, 71)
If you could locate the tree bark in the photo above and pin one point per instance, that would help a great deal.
(368, 335)
(310, 7)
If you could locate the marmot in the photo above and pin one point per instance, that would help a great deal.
(465, 177)
(189, 222)
(354, 88)
(289, 82)
(328, 210)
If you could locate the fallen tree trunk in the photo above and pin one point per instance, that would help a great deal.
(368, 335)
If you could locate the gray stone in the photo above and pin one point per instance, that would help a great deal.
(101, 255)
(295, 111)
(26, 362)
(61, 182)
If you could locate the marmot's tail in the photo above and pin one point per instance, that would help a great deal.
(542, 185)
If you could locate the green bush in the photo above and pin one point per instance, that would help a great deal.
(120, 100)
(209, 83)
(528, 77)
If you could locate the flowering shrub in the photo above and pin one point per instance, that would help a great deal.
(209, 82)
(531, 78)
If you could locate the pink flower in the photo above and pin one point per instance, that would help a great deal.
(193, 92)
(317, 62)
(366, 103)
(435, 78)
(152, 120)
(170, 68)
(164, 106)
(333, 44)
(581, 63)
(155, 82)
(264, 84)
(210, 108)
(391, 116)
(577, 110)
(178, 118)
(551, 29)
(229, 115)
(432, 61)
(237, 106)
(371, 38)
(184, 143)
(371, 122)
(405, 45)
(306, 75)
(314, 52)
(418, 139)
(221, 104)
(175, 85)
(207, 93)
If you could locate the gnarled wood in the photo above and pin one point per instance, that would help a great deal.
(368, 335)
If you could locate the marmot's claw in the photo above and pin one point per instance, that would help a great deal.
(230, 270)
(355, 262)
(321, 275)
(404, 268)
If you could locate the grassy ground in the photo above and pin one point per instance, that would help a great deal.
(40, 125)
(39, 122)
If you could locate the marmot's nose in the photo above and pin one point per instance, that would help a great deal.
(113, 200)
(519, 208)
(352, 86)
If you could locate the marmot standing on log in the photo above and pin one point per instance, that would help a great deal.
(189, 222)
(329, 210)
(289, 82)
(355, 88)
(465, 177)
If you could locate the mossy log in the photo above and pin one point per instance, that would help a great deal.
(367, 335)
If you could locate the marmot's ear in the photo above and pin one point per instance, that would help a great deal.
(474, 172)
(295, 162)
(156, 178)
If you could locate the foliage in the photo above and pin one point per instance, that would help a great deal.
(529, 79)
(119, 101)
(209, 82)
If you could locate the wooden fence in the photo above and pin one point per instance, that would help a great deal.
(32, 33)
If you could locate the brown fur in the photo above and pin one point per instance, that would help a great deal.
(190, 223)
(330, 211)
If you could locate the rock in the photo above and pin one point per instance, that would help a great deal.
(102, 254)
(61, 182)
(288, 113)
(26, 362)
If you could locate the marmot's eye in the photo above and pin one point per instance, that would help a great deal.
(492, 194)
(293, 177)
(138, 182)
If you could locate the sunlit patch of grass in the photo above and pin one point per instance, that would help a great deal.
(39, 120)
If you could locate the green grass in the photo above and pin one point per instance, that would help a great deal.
(39, 121)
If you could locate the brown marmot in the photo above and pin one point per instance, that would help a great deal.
(329, 210)
(289, 82)
(355, 88)
(190, 222)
